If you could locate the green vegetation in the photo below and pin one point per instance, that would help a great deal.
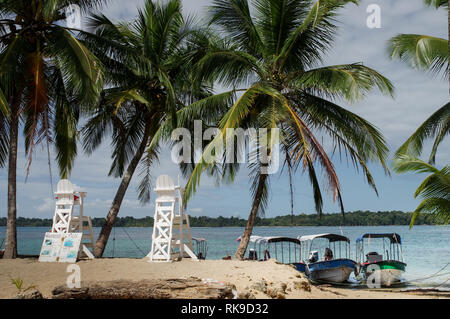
(47, 77)
(272, 53)
(431, 54)
(358, 218)
(434, 190)
(18, 283)
(148, 63)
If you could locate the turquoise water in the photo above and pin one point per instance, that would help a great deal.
(426, 249)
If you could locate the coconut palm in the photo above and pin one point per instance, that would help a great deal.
(429, 54)
(274, 49)
(432, 54)
(46, 76)
(147, 65)
(434, 190)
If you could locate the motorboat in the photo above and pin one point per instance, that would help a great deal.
(384, 264)
(326, 258)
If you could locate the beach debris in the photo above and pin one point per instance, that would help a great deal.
(303, 285)
(277, 291)
(260, 285)
(30, 294)
(192, 288)
(246, 295)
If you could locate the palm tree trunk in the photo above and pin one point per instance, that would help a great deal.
(102, 240)
(11, 230)
(240, 252)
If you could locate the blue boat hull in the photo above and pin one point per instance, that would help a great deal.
(300, 267)
(333, 271)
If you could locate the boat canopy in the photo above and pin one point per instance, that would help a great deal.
(394, 238)
(331, 237)
(199, 239)
(268, 240)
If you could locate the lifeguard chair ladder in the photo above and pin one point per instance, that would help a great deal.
(171, 237)
(67, 220)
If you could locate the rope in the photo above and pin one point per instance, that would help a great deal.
(123, 228)
(441, 284)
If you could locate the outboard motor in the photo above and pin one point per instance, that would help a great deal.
(313, 256)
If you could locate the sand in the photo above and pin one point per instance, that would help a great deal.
(245, 275)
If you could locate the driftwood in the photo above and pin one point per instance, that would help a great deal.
(192, 288)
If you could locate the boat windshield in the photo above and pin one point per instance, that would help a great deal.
(324, 247)
(284, 249)
(372, 248)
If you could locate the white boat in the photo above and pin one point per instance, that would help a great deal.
(285, 250)
(383, 269)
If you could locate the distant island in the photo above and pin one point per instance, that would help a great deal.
(358, 218)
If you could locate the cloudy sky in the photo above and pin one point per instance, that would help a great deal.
(417, 96)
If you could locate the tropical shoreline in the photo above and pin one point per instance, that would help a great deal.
(246, 276)
(357, 218)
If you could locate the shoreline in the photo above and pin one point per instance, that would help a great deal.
(277, 280)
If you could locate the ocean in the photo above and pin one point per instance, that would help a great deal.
(426, 249)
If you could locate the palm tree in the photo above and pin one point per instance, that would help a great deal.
(277, 47)
(148, 62)
(435, 189)
(432, 54)
(429, 54)
(46, 75)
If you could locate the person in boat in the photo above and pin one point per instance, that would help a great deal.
(328, 254)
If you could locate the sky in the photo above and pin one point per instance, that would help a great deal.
(417, 96)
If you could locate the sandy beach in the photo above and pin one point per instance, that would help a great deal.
(244, 275)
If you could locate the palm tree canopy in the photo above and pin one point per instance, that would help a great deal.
(52, 72)
(275, 50)
(148, 63)
(434, 190)
(432, 54)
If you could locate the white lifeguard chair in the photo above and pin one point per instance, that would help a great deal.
(171, 239)
(68, 220)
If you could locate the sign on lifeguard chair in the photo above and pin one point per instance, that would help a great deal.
(67, 221)
(171, 237)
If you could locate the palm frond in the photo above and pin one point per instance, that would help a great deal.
(4, 107)
(351, 81)
(234, 17)
(437, 125)
(422, 52)
(434, 190)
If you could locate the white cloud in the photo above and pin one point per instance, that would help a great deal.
(48, 205)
